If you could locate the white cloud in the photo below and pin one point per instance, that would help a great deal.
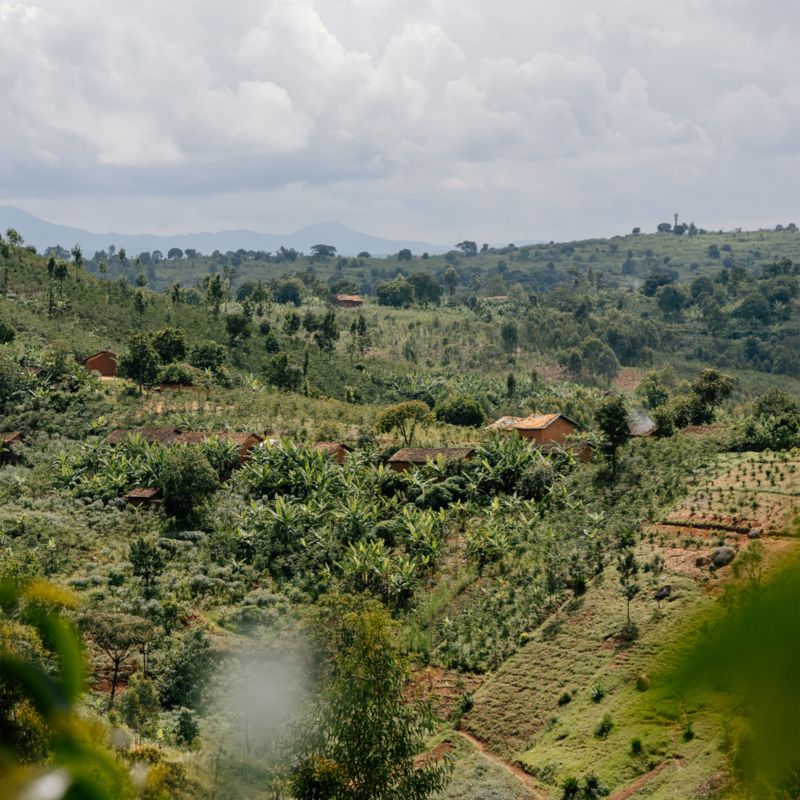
(523, 111)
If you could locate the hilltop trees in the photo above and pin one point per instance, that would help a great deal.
(147, 563)
(289, 291)
(773, 423)
(509, 333)
(5, 254)
(427, 290)
(322, 252)
(398, 293)
(359, 336)
(185, 670)
(238, 328)
(77, 258)
(283, 373)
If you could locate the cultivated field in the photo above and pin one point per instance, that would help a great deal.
(743, 491)
(581, 700)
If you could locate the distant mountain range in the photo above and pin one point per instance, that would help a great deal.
(349, 242)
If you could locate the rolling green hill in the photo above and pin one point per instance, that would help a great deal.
(497, 576)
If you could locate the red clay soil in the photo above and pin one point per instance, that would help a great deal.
(627, 379)
(512, 769)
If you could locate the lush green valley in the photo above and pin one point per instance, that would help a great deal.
(300, 616)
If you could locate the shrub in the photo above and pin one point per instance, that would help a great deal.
(7, 333)
(181, 374)
(604, 727)
(570, 789)
(636, 747)
(536, 480)
(565, 698)
(187, 481)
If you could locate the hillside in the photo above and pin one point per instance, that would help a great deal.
(230, 599)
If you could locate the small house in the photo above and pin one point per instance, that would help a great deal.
(104, 362)
(538, 428)
(336, 450)
(144, 497)
(418, 456)
(349, 300)
(9, 442)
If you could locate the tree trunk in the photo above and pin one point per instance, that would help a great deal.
(114, 679)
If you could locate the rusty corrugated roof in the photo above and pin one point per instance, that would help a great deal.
(419, 455)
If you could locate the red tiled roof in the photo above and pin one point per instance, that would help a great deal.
(100, 353)
(349, 298)
(332, 447)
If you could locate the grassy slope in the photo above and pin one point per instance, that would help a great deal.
(517, 713)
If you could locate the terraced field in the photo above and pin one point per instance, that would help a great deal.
(580, 700)
(742, 491)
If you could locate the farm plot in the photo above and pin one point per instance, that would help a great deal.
(743, 491)
(542, 707)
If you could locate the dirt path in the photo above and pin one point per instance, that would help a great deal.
(517, 772)
(630, 790)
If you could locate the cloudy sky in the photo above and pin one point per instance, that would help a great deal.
(431, 119)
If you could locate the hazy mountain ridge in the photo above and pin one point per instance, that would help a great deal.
(348, 241)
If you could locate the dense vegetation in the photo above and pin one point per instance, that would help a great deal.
(274, 603)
